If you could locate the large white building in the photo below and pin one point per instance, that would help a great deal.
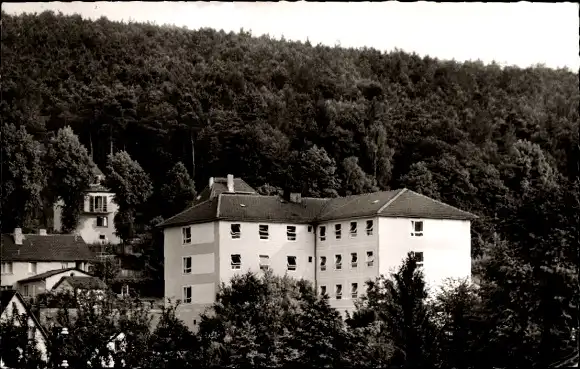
(337, 244)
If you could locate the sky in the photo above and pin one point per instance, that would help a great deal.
(521, 34)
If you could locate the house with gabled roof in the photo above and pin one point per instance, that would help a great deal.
(336, 243)
(30, 256)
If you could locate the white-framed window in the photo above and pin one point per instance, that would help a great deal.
(419, 257)
(32, 267)
(338, 231)
(187, 295)
(353, 228)
(353, 260)
(7, 267)
(102, 222)
(322, 263)
(236, 231)
(370, 258)
(264, 262)
(370, 225)
(186, 235)
(26, 291)
(322, 233)
(291, 233)
(187, 265)
(338, 291)
(236, 261)
(309, 229)
(291, 263)
(338, 261)
(264, 232)
(354, 291)
(417, 228)
(98, 204)
(322, 290)
(310, 259)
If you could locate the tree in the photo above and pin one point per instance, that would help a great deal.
(19, 350)
(313, 173)
(71, 172)
(132, 188)
(23, 177)
(355, 181)
(178, 191)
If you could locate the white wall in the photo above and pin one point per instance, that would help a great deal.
(277, 247)
(7, 313)
(446, 247)
(20, 270)
(345, 246)
(204, 279)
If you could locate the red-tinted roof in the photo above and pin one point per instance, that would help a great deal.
(56, 247)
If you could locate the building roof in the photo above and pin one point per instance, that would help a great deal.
(50, 273)
(7, 296)
(83, 283)
(220, 185)
(53, 247)
(254, 207)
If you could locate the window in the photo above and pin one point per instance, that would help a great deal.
(187, 265)
(417, 228)
(102, 237)
(354, 260)
(338, 231)
(370, 259)
(418, 257)
(310, 259)
(323, 263)
(79, 265)
(7, 268)
(338, 262)
(322, 233)
(339, 291)
(264, 234)
(236, 261)
(194, 321)
(32, 267)
(309, 229)
(26, 292)
(236, 231)
(291, 262)
(322, 290)
(98, 204)
(187, 295)
(353, 226)
(186, 233)
(291, 233)
(63, 265)
(102, 222)
(369, 227)
(264, 262)
(354, 290)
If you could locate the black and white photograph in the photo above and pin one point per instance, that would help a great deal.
(289, 184)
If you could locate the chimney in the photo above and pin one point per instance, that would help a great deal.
(18, 236)
(210, 181)
(295, 197)
(230, 183)
(42, 232)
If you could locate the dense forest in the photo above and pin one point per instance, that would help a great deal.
(175, 106)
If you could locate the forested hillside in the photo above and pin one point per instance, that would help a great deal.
(499, 142)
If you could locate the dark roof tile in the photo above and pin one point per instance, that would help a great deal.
(410, 204)
(83, 283)
(56, 247)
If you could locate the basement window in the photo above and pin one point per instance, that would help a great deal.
(417, 228)
(338, 231)
(236, 261)
(322, 233)
(291, 233)
(369, 227)
(322, 263)
(353, 229)
(264, 262)
(291, 263)
(339, 291)
(264, 233)
(236, 231)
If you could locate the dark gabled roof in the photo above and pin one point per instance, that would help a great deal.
(243, 207)
(55, 247)
(97, 187)
(220, 186)
(7, 296)
(50, 273)
(83, 283)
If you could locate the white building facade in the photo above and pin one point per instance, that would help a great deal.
(337, 244)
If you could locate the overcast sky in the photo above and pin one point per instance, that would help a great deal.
(520, 34)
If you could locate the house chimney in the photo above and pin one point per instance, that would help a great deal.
(230, 183)
(210, 181)
(18, 236)
(42, 232)
(295, 197)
